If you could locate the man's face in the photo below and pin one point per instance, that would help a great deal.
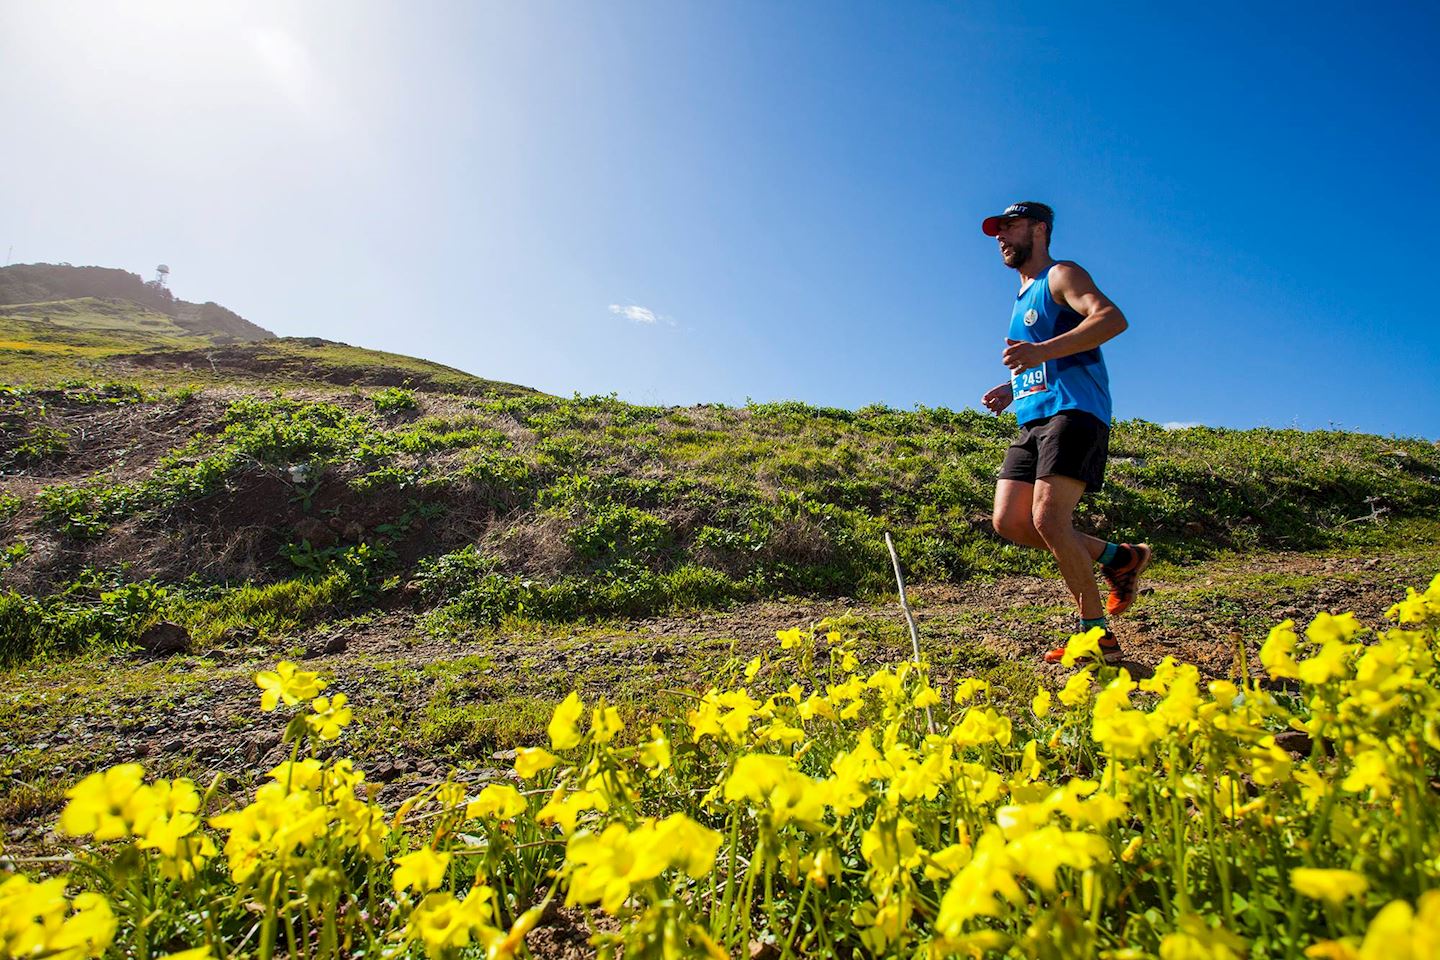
(1017, 240)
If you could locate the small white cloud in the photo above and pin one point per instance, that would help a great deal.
(639, 314)
(1180, 424)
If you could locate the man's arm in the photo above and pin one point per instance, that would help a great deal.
(998, 398)
(1071, 287)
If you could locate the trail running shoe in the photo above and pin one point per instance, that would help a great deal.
(1110, 650)
(1124, 581)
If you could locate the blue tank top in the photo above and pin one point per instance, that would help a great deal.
(1076, 382)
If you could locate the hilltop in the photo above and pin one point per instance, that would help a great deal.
(46, 290)
(61, 324)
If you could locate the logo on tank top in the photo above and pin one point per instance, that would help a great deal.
(1030, 317)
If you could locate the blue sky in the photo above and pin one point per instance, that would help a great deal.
(684, 202)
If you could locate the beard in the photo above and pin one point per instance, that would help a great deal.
(1017, 253)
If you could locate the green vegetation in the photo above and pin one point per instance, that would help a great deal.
(592, 507)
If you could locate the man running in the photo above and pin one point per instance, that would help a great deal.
(1061, 394)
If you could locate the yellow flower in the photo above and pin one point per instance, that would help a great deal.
(947, 861)
(752, 668)
(1328, 664)
(889, 843)
(424, 870)
(692, 847)
(1371, 772)
(1040, 706)
(498, 801)
(107, 804)
(331, 716)
(605, 723)
(978, 888)
(564, 726)
(825, 866)
(1041, 853)
(603, 868)
(781, 732)
(1400, 933)
(530, 761)
(287, 683)
(755, 775)
(445, 924)
(1077, 689)
(969, 688)
(505, 947)
(1083, 646)
(926, 696)
(564, 808)
(36, 920)
(1330, 629)
(1197, 940)
(1332, 886)
(725, 715)
(1277, 653)
(1417, 607)
(789, 638)
(655, 754)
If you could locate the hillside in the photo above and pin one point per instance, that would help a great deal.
(278, 511)
(61, 324)
(50, 283)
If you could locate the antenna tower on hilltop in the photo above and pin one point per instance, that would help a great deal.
(162, 275)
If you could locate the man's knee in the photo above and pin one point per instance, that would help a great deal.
(1052, 524)
(1012, 528)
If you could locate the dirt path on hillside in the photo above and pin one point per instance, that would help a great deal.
(426, 706)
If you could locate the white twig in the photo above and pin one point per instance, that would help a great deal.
(905, 606)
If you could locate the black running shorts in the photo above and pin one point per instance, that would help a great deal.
(1071, 443)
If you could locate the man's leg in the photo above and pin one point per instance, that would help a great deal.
(1053, 515)
(1014, 519)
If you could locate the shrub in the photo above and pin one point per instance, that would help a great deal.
(393, 399)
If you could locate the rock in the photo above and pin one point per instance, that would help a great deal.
(325, 646)
(1294, 742)
(164, 639)
(763, 950)
(240, 635)
(258, 747)
(1195, 528)
(317, 534)
(174, 745)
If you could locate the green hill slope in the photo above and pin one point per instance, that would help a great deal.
(37, 283)
(61, 324)
(223, 508)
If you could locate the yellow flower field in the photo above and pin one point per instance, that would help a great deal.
(809, 809)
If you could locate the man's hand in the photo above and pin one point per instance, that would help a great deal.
(998, 398)
(1022, 355)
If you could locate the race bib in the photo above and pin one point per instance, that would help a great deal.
(1029, 382)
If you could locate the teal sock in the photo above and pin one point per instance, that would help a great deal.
(1108, 554)
(1100, 622)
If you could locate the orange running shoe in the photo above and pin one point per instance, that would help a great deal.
(1110, 650)
(1124, 581)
